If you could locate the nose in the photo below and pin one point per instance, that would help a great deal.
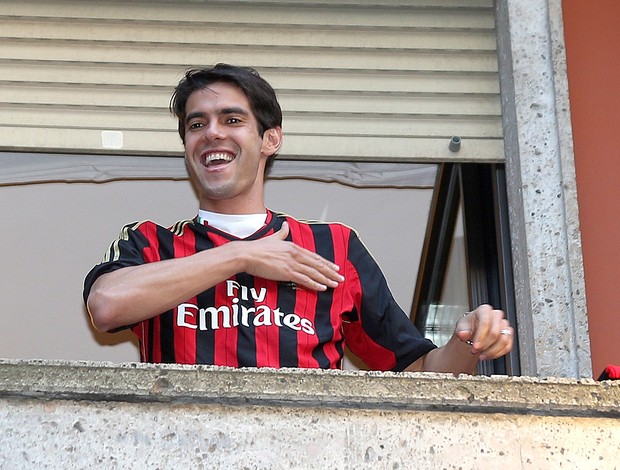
(214, 131)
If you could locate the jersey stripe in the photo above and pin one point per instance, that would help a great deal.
(205, 339)
(162, 242)
(151, 254)
(339, 306)
(360, 333)
(267, 337)
(225, 340)
(185, 338)
(327, 356)
(305, 303)
(287, 294)
(247, 341)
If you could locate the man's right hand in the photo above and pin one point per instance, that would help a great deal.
(277, 259)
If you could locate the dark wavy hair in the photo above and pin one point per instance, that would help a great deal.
(259, 92)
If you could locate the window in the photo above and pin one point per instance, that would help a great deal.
(467, 239)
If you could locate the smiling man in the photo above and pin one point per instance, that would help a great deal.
(241, 285)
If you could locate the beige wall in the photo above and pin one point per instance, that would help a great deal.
(52, 234)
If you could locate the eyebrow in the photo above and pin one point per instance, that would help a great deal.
(223, 112)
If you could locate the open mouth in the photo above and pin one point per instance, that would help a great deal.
(217, 159)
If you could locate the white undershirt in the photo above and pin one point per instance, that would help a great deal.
(240, 226)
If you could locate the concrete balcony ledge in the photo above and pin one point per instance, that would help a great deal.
(58, 414)
(174, 383)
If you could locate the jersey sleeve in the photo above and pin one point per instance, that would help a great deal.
(379, 331)
(127, 250)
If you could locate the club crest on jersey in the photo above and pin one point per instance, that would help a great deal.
(237, 314)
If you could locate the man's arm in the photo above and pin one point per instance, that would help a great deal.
(129, 295)
(490, 334)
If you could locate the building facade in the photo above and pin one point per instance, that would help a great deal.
(365, 82)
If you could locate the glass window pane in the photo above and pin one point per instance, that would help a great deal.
(454, 298)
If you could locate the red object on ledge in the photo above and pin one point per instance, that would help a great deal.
(611, 372)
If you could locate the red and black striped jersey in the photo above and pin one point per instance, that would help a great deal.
(248, 321)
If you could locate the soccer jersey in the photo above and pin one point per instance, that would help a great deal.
(248, 321)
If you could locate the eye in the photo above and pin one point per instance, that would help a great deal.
(233, 120)
(195, 125)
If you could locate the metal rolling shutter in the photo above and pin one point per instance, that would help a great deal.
(358, 80)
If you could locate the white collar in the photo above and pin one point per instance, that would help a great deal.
(239, 225)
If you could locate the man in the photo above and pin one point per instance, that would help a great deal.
(241, 285)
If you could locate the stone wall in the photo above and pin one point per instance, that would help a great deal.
(549, 284)
(94, 415)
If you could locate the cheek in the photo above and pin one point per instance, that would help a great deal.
(190, 141)
(190, 163)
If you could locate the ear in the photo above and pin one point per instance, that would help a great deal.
(272, 141)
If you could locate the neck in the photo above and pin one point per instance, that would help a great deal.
(248, 200)
(234, 207)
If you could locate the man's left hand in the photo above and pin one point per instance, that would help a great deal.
(487, 331)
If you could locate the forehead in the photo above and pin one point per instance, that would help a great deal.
(217, 96)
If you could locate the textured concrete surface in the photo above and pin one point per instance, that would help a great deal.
(92, 415)
(542, 189)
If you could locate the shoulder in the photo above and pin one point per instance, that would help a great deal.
(149, 228)
(335, 227)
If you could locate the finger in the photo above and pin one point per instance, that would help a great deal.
(329, 270)
(480, 326)
(502, 344)
(464, 335)
(312, 269)
(283, 232)
(303, 281)
(322, 274)
(310, 258)
(494, 325)
(498, 350)
(316, 267)
(312, 279)
(464, 328)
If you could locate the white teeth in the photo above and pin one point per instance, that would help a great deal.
(218, 156)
